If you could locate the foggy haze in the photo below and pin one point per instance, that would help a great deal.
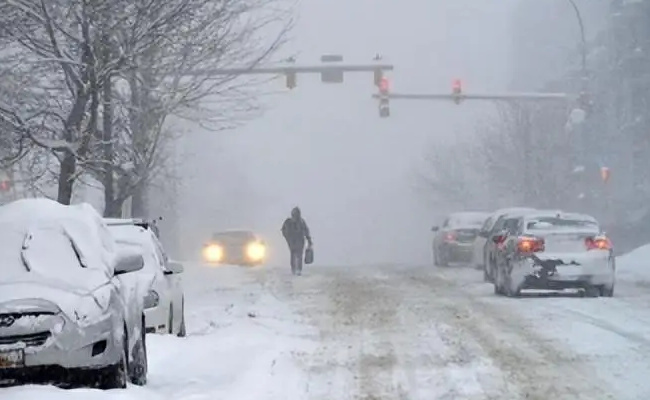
(324, 147)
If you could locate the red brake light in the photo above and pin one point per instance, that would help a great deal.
(450, 236)
(598, 243)
(530, 245)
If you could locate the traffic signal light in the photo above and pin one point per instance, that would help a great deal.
(384, 88)
(5, 185)
(291, 80)
(457, 90)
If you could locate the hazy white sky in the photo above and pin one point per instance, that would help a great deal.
(324, 147)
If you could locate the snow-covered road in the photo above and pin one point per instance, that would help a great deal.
(388, 332)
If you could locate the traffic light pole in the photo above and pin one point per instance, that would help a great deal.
(283, 70)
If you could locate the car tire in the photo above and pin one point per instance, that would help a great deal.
(592, 291)
(606, 291)
(116, 376)
(181, 331)
(507, 288)
(442, 260)
(139, 367)
(486, 277)
(498, 289)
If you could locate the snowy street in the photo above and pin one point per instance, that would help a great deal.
(388, 332)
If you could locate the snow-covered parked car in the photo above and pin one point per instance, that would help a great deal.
(556, 251)
(66, 311)
(164, 305)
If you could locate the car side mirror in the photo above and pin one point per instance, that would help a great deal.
(174, 267)
(129, 263)
(435, 229)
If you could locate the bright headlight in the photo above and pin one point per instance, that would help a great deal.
(213, 253)
(256, 251)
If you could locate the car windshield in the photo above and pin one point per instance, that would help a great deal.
(468, 220)
(133, 237)
(45, 252)
(561, 224)
(234, 235)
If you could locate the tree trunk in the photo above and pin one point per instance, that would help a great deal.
(113, 205)
(66, 178)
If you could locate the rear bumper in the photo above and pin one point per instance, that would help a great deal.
(461, 252)
(594, 268)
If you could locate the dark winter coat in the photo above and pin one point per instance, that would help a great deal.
(295, 231)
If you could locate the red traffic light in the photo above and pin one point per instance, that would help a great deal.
(384, 85)
(457, 86)
(5, 185)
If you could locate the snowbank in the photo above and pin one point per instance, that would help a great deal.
(635, 265)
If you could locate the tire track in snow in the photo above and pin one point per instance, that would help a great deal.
(536, 368)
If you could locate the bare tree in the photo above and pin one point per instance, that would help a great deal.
(520, 156)
(101, 77)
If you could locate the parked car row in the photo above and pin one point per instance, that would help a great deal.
(78, 294)
(526, 248)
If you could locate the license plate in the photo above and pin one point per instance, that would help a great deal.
(12, 358)
(568, 270)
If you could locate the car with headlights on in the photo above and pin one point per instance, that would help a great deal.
(67, 309)
(453, 241)
(555, 251)
(235, 247)
(164, 302)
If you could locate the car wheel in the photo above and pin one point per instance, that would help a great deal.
(592, 291)
(606, 291)
(181, 331)
(138, 372)
(507, 284)
(442, 260)
(116, 376)
(486, 277)
(497, 285)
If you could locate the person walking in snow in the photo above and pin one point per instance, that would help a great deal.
(295, 231)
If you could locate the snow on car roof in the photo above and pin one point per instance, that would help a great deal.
(513, 211)
(235, 233)
(561, 215)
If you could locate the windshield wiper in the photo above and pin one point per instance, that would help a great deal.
(23, 250)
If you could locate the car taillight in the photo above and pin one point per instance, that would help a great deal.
(598, 243)
(450, 236)
(530, 245)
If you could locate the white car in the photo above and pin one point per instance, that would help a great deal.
(69, 309)
(164, 301)
(555, 251)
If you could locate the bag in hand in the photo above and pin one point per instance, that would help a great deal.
(309, 255)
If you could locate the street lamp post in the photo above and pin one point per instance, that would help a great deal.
(583, 42)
